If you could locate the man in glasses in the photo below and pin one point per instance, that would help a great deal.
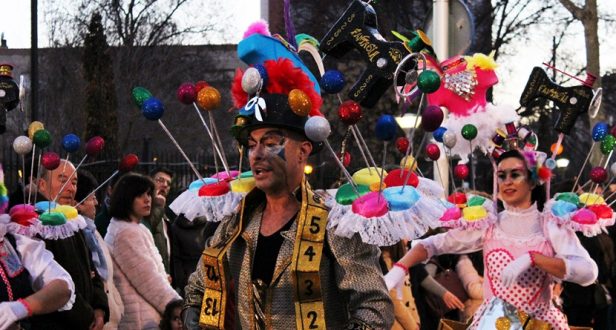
(157, 222)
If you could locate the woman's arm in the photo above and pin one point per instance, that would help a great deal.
(50, 298)
(572, 262)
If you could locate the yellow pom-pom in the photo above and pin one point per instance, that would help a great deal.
(406, 162)
(480, 61)
(364, 177)
(591, 199)
(375, 186)
(69, 212)
(242, 185)
(474, 213)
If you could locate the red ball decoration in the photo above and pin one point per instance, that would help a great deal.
(50, 160)
(613, 130)
(602, 211)
(431, 118)
(95, 145)
(199, 85)
(346, 159)
(544, 173)
(457, 198)
(461, 171)
(433, 151)
(214, 189)
(349, 112)
(186, 93)
(598, 174)
(396, 178)
(402, 144)
(128, 163)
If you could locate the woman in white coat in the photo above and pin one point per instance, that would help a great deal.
(139, 272)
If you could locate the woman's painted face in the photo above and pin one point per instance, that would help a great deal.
(514, 185)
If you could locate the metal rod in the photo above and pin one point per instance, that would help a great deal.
(32, 173)
(363, 154)
(207, 129)
(192, 166)
(219, 144)
(346, 173)
(69, 178)
(99, 187)
(577, 179)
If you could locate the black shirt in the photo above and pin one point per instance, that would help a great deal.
(266, 254)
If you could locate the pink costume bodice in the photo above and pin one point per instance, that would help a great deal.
(532, 292)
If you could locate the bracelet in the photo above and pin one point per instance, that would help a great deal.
(26, 305)
(532, 257)
(402, 266)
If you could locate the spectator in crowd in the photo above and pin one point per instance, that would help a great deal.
(172, 317)
(100, 252)
(139, 272)
(157, 221)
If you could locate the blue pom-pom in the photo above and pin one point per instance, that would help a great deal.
(438, 134)
(386, 128)
(599, 131)
(332, 81)
(152, 109)
(262, 72)
(71, 142)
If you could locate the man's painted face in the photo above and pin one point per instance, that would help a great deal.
(270, 154)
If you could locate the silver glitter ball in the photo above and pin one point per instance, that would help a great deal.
(251, 81)
(22, 145)
(449, 139)
(317, 129)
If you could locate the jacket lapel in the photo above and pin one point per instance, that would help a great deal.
(286, 251)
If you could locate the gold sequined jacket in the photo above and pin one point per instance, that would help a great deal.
(354, 293)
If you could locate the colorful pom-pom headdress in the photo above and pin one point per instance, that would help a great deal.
(277, 90)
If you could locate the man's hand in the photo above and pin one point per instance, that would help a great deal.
(11, 312)
(451, 301)
(99, 320)
(160, 200)
(511, 273)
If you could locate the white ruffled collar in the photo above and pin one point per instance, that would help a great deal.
(521, 211)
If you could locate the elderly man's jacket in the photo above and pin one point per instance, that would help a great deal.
(354, 293)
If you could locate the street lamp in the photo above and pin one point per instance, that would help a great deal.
(562, 162)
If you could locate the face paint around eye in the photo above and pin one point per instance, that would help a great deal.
(516, 175)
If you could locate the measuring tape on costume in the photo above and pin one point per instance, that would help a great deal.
(307, 253)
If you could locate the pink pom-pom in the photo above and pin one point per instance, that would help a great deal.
(258, 27)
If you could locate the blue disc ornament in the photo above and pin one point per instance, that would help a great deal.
(262, 72)
(71, 143)
(438, 134)
(386, 128)
(152, 109)
(332, 81)
(599, 131)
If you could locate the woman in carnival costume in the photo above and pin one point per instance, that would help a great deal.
(526, 249)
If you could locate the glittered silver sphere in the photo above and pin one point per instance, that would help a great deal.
(317, 128)
(22, 145)
(449, 139)
(251, 81)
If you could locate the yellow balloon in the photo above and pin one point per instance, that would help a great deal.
(69, 212)
(243, 185)
(474, 213)
(209, 98)
(299, 102)
(364, 177)
(406, 162)
(591, 199)
(33, 127)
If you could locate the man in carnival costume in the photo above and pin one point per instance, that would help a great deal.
(275, 261)
(67, 243)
